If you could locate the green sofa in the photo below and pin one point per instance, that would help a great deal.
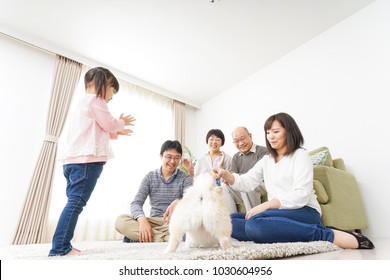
(337, 192)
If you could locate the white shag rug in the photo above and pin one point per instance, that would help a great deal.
(117, 250)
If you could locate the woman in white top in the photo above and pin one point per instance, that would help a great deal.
(292, 212)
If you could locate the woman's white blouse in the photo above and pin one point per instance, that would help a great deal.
(290, 180)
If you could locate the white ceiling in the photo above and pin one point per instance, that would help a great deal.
(191, 50)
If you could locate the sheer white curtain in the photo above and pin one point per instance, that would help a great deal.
(121, 176)
(179, 120)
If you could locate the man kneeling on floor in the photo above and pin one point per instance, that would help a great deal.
(164, 186)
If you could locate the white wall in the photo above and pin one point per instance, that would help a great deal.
(25, 75)
(336, 87)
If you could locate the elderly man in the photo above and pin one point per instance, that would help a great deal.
(247, 156)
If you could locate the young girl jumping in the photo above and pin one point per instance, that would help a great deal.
(87, 150)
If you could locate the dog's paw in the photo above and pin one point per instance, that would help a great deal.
(172, 247)
(225, 243)
(169, 249)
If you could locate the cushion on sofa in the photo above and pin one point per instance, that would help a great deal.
(339, 163)
(322, 196)
(321, 156)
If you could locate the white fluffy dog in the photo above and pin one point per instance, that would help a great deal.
(202, 215)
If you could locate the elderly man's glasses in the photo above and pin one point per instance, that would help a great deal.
(241, 139)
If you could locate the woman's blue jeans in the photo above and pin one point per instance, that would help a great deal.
(81, 180)
(281, 225)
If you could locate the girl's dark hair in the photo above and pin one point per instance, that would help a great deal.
(102, 78)
(171, 144)
(217, 133)
(294, 137)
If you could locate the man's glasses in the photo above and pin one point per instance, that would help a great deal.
(170, 157)
(241, 139)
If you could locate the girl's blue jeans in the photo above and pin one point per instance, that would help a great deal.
(81, 180)
(281, 225)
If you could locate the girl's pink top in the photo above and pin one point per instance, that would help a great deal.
(91, 128)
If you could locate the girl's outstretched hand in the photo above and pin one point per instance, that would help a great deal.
(126, 132)
(129, 119)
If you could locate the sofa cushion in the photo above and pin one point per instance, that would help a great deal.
(339, 163)
(322, 196)
(321, 156)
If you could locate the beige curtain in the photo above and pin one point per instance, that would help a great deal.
(31, 227)
(179, 112)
